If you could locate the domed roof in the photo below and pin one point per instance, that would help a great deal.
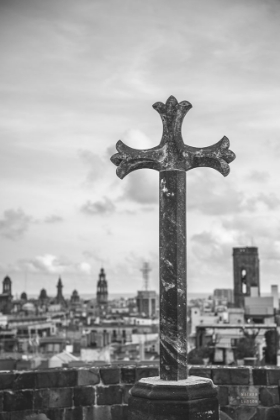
(7, 279)
(75, 293)
(28, 307)
(23, 296)
(43, 294)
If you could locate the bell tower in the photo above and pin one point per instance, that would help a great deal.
(245, 274)
(7, 286)
(102, 289)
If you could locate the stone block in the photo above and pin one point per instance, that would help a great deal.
(259, 376)
(119, 412)
(246, 413)
(88, 413)
(7, 380)
(1, 401)
(243, 395)
(223, 395)
(75, 413)
(269, 396)
(273, 376)
(24, 415)
(146, 372)
(229, 411)
(34, 416)
(24, 380)
(109, 395)
(128, 375)
(230, 376)
(110, 375)
(84, 395)
(200, 371)
(56, 378)
(60, 397)
(268, 413)
(126, 389)
(18, 400)
(88, 377)
(41, 399)
(224, 416)
(101, 413)
(5, 416)
(55, 414)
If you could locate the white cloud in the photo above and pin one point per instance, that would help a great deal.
(14, 224)
(53, 218)
(102, 207)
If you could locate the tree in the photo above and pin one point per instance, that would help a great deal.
(196, 356)
(245, 347)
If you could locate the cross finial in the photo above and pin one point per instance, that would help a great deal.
(172, 153)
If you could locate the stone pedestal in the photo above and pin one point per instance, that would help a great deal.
(194, 398)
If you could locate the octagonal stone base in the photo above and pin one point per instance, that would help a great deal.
(194, 398)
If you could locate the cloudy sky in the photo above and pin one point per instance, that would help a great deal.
(77, 76)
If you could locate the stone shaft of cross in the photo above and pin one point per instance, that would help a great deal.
(172, 158)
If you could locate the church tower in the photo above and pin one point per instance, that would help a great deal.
(245, 274)
(59, 297)
(7, 286)
(102, 289)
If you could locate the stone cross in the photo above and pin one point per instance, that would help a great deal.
(172, 158)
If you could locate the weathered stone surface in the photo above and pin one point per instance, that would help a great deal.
(259, 376)
(1, 401)
(84, 395)
(101, 413)
(75, 413)
(24, 415)
(192, 398)
(40, 416)
(223, 395)
(246, 413)
(126, 389)
(144, 408)
(110, 375)
(88, 376)
(109, 395)
(173, 287)
(269, 396)
(273, 376)
(192, 388)
(41, 399)
(172, 153)
(172, 158)
(56, 378)
(230, 376)
(128, 374)
(200, 371)
(5, 416)
(7, 380)
(60, 397)
(146, 372)
(88, 413)
(243, 395)
(25, 380)
(270, 413)
(18, 400)
(119, 412)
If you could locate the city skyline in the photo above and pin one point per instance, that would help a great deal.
(78, 76)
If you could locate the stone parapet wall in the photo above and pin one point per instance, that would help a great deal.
(245, 393)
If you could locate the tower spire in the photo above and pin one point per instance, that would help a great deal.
(145, 271)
